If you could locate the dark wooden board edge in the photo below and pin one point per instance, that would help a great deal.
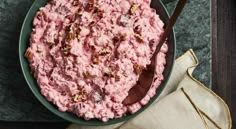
(223, 51)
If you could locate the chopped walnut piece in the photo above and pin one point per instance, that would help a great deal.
(117, 78)
(78, 30)
(75, 3)
(78, 15)
(68, 28)
(116, 54)
(70, 36)
(80, 97)
(96, 9)
(108, 74)
(29, 55)
(78, 37)
(116, 39)
(56, 41)
(139, 38)
(120, 37)
(133, 8)
(123, 36)
(77, 98)
(104, 52)
(92, 48)
(95, 58)
(137, 69)
(40, 15)
(60, 34)
(66, 49)
(79, 12)
(89, 7)
(88, 75)
(100, 14)
(50, 43)
(92, 23)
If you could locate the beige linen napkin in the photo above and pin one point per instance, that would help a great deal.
(185, 103)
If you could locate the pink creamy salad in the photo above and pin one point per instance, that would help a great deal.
(87, 54)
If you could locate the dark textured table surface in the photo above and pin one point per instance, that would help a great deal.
(16, 100)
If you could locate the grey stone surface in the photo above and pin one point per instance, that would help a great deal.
(193, 31)
(17, 103)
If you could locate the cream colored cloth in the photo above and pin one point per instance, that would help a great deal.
(185, 103)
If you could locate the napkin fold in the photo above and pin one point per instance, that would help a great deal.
(185, 103)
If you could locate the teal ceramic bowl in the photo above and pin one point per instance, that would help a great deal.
(24, 43)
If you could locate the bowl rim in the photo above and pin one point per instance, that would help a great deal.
(49, 106)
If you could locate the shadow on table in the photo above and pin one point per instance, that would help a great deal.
(16, 100)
